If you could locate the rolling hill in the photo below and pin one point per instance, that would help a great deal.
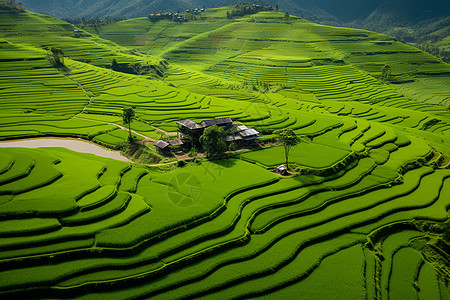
(424, 23)
(366, 202)
(343, 10)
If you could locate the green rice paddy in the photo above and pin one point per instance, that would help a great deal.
(364, 215)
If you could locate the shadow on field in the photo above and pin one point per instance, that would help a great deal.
(306, 180)
(225, 163)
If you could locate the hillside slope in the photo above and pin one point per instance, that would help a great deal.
(104, 8)
(366, 202)
(44, 32)
(215, 45)
(341, 10)
(406, 20)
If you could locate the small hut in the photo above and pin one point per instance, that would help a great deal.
(162, 146)
(166, 146)
(281, 169)
(175, 142)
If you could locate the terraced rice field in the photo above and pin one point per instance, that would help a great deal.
(364, 214)
(41, 31)
(132, 229)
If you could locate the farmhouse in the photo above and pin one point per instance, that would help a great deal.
(192, 131)
(189, 132)
(166, 145)
(242, 132)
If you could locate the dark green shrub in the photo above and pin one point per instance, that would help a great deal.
(193, 152)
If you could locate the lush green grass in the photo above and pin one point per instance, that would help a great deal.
(311, 155)
(105, 213)
(156, 37)
(30, 84)
(180, 197)
(97, 197)
(428, 90)
(299, 54)
(348, 263)
(94, 227)
(404, 270)
(391, 246)
(115, 138)
(32, 29)
(429, 288)
(34, 125)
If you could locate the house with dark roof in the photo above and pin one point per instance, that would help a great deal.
(222, 122)
(167, 145)
(192, 131)
(194, 126)
(191, 125)
(189, 133)
(162, 145)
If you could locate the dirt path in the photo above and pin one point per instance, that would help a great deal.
(165, 132)
(146, 138)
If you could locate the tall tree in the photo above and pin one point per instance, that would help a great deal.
(214, 141)
(288, 139)
(386, 72)
(127, 116)
(56, 56)
(115, 65)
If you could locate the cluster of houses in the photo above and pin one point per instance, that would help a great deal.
(189, 132)
(176, 17)
(168, 16)
(195, 11)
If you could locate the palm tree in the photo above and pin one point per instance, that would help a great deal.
(127, 116)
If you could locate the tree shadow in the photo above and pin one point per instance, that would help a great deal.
(63, 69)
(308, 179)
(224, 162)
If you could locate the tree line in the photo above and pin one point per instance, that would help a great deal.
(247, 8)
(11, 6)
(177, 17)
(95, 23)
